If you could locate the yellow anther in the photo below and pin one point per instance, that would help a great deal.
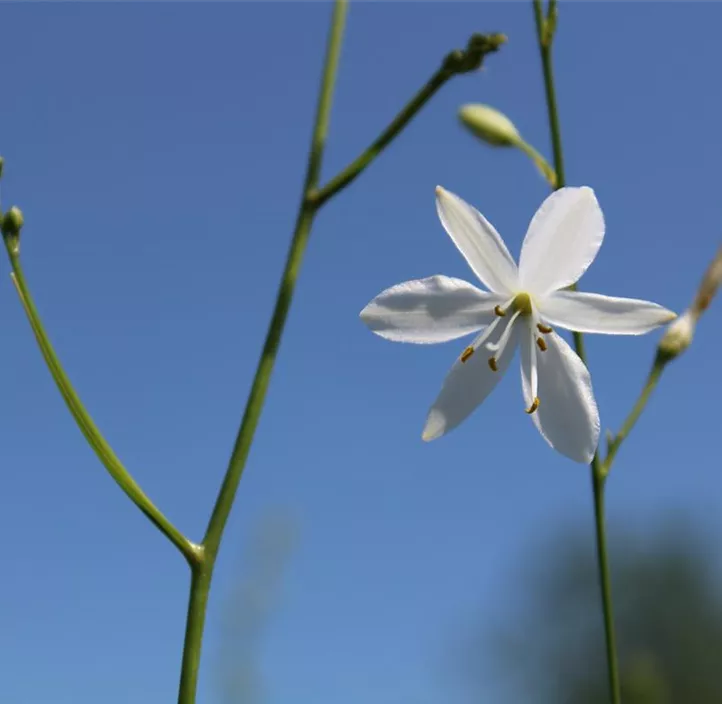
(492, 364)
(533, 407)
(543, 328)
(522, 303)
(499, 311)
(541, 344)
(467, 353)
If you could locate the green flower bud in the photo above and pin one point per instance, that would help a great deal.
(490, 125)
(13, 222)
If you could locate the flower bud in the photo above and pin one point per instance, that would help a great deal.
(678, 336)
(12, 222)
(710, 283)
(2, 163)
(490, 125)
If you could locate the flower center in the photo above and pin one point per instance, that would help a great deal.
(522, 304)
(519, 306)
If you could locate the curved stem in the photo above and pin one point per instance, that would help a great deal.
(94, 437)
(545, 27)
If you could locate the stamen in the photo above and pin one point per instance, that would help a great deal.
(540, 344)
(479, 340)
(544, 328)
(534, 406)
(485, 335)
(499, 346)
(493, 365)
(533, 369)
(499, 311)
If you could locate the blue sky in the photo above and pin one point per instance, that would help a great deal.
(157, 151)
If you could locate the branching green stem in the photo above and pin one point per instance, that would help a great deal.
(203, 572)
(546, 26)
(455, 63)
(312, 200)
(201, 558)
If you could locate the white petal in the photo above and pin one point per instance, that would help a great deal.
(435, 309)
(478, 242)
(466, 386)
(592, 312)
(567, 415)
(563, 238)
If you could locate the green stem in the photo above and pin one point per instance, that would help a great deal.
(655, 374)
(306, 214)
(545, 27)
(197, 603)
(598, 484)
(94, 437)
(354, 169)
(455, 63)
(203, 573)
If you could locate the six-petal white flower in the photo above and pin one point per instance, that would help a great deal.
(521, 307)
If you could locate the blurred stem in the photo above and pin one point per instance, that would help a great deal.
(94, 437)
(546, 26)
(201, 574)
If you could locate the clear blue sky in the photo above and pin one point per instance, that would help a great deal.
(157, 152)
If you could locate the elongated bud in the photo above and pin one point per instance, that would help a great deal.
(496, 129)
(710, 283)
(2, 164)
(490, 125)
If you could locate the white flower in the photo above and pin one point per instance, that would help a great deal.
(521, 308)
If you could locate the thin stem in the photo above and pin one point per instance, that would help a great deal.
(455, 63)
(655, 374)
(202, 574)
(546, 27)
(598, 485)
(94, 437)
(357, 166)
(197, 602)
(545, 34)
(286, 290)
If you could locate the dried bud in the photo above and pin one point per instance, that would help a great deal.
(489, 124)
(678, 336)
(12, 222)
(710, 283)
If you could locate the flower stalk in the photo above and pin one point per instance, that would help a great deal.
(313, 198)
(546, 28)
